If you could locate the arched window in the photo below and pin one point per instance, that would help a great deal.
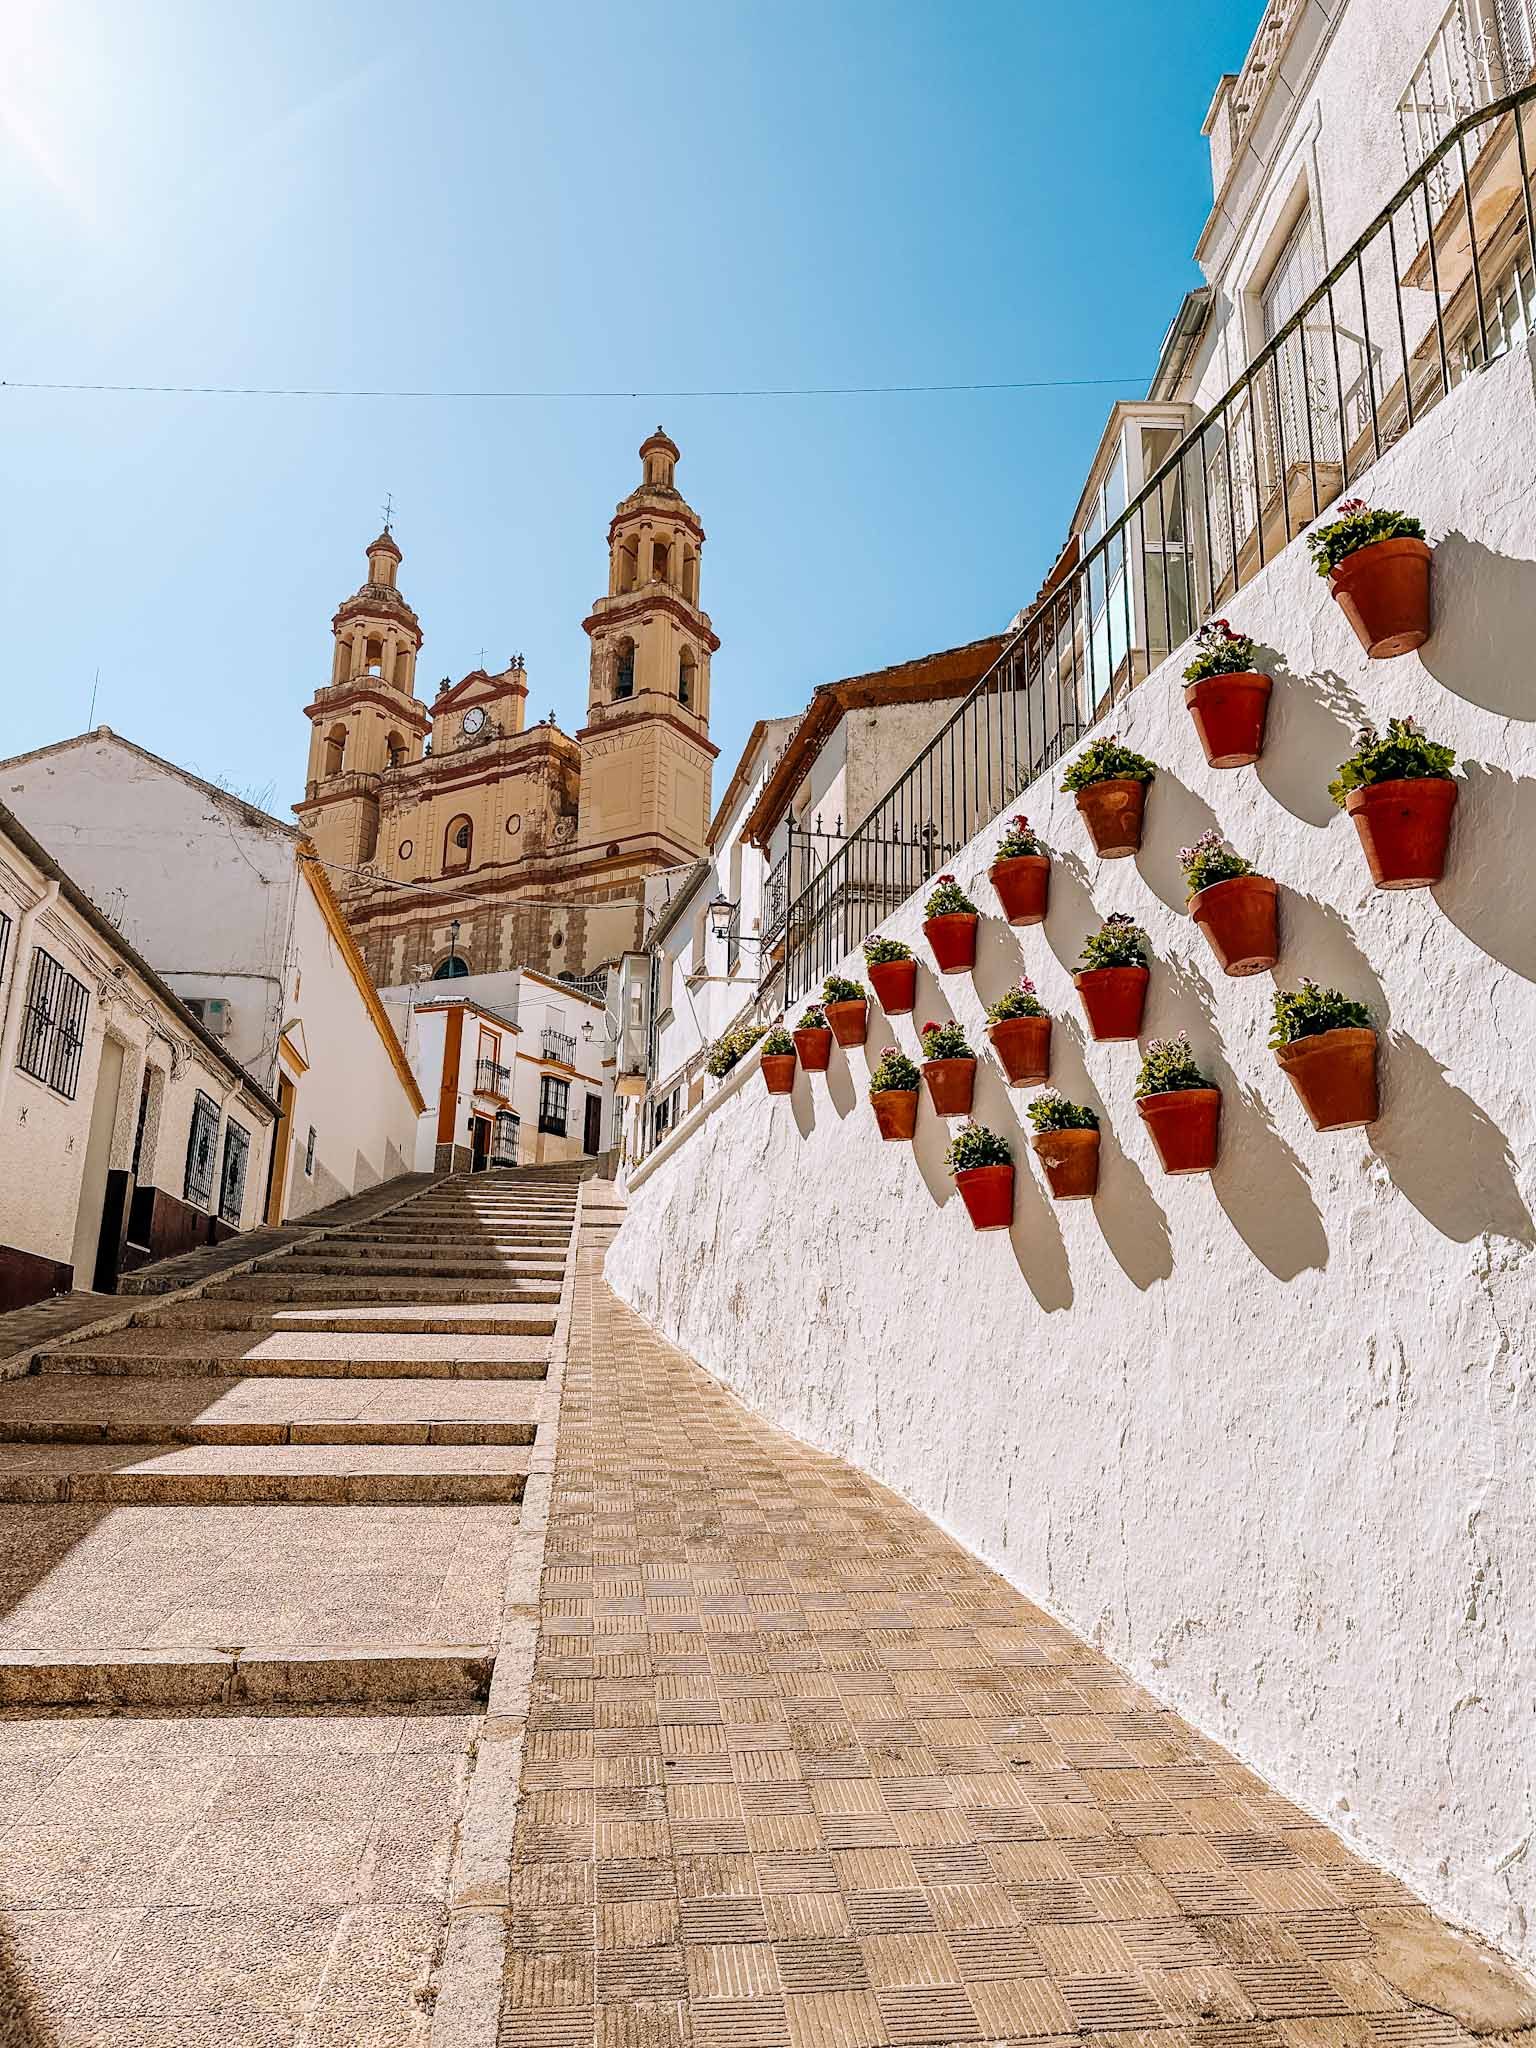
(661, 560)
(685, 676)
(394, 747)
(690, 576)
(629, 566)
(335, 749)
(624, 670)
(374, 657)
(451, 968)
(458, 844)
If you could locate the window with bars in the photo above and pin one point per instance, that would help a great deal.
(554, 1100)
(53, 1026)
(202, 1143)
(237, 1151)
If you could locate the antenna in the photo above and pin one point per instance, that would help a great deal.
(90, 719)
(389, 510)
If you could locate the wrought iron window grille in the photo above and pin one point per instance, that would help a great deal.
(53, 1025)
(237, 1152)
(202, 1143)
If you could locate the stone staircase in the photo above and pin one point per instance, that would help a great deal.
(298, 1484)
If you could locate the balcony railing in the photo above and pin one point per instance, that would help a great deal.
(558, 1047)
(491, 1078)
(504, 1140)
(1427, 296)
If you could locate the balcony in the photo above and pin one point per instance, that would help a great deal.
(556, 1046)
(491, 1078)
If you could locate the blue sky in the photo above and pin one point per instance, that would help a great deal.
(594, 197)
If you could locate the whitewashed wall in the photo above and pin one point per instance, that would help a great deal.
(1265, 1438)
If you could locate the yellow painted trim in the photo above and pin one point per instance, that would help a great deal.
(332, 912)
(288, 1051)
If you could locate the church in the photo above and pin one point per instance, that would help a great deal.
(460, 839)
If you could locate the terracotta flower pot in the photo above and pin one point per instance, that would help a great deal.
(1112, 812)
(987, 1192)
(1114, 998)
(1023, 1047)
(1334, 1073)
(1240, 919)
(779, 1072)
(814, 1049)
(1383, 591)
(849, 1021)
(950, 1085)
(1404, 827)
(1071, 1162)
(1023, 885)
(895, 983)
(895, 1112)
(953, 939)
(1229, 714)
(1183, 1125)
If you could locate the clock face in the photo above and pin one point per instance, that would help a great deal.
(474, 719)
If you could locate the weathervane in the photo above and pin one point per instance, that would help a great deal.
(389, 510)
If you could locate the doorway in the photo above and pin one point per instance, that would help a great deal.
(282, 1139)
(98, 1159)
(480, 1144)
(592, 1128)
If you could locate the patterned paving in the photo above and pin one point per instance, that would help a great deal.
(800, 1773)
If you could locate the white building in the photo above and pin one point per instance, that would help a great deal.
(516, 1068)
(128, 1132)
(242, 924)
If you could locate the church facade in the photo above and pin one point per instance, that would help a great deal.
(463, 840)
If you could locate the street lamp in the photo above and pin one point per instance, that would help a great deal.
(721, 912)
(453, 947)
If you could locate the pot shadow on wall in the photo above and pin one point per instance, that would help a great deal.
(803, 1102)
(1259, 1181)
(1130, 1221)
(1313, 720)
(1495, 810)
(1442, 1150)
(1472, 651)
(1073, 914)
(1179, 817)
(844, 1079)
(1039, 1249)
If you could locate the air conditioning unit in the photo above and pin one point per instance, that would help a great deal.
(216, 1014)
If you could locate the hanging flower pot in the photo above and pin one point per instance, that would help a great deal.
(1326, 1049)
(1113, 1000)
(1021, 874)
(1180, 1108)
(1109, 783)
(950, 927)
(983, 1169)
(1404, 828)
(1398, 788)
(949, 1069)
(1227, 697)
(1019, 1027)
(1378, 568)
(1234, 907)
(813, 1042)
(893, 975)
(893, 1094)
(1066, 1143)
(847, 1010)
(779, 1062)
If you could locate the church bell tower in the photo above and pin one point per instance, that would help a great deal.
(366, 719)
(646, 752)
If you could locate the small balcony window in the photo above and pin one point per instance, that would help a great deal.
(554, 1104)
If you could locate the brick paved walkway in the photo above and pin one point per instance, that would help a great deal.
(800, 1771)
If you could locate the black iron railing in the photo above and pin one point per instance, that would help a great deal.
(504, 1139)
(557, 1046)
(1431, 292)
(491, 1078)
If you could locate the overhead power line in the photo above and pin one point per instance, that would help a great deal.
(560, 397)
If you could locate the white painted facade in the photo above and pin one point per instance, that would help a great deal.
(1263, 1437)
(214, 894)
(70, 1098)
(526, 1056)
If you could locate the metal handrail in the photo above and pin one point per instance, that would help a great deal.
(1288, 437)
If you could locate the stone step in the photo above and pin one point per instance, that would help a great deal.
(122, 1408)
(364, 1271)
(292, 1475)
(190, 1354)
(442, 1258)
(482, 1319)
(320, 1288)
(405, 1674)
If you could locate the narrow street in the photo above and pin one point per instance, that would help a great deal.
(253, 1552)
